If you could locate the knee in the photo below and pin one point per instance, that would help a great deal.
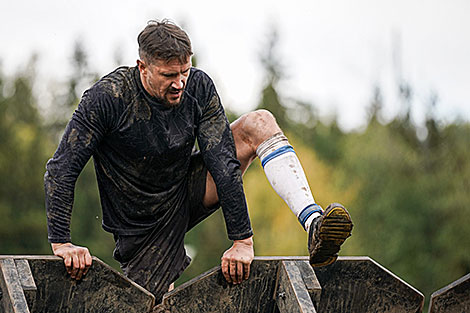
(259, 120)
(259, 125)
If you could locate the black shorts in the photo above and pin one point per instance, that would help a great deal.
(157, 259)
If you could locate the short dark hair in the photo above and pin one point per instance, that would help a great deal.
(163, 40)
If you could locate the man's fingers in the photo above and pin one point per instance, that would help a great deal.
(88, 261)
(75, 266)
(77, 259)
(236, 261)
(68, 263)
(225, 270)
(81, 266)
(233, 271)
(239, 272)
(246, 271)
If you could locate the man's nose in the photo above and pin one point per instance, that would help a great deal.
(178, 83)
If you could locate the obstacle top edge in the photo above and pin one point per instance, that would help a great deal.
(260, 258)
(452, 285)
(30, 257)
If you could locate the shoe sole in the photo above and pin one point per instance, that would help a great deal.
(335, 228)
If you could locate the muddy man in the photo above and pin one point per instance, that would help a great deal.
(141, 124)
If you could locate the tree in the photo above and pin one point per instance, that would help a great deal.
(24, 152)
(270, 98)
(411, 201)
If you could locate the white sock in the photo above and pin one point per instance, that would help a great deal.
(286, 175)
(310, 219)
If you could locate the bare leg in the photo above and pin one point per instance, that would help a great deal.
(249, 131)
(257, 134)
(259, 130)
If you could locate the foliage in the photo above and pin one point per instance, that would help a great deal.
(23, 146)
(28, 139)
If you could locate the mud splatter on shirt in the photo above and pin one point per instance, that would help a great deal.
(141, 150)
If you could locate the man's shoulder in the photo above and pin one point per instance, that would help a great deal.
(199, 82)
(112, 92)
(198, 73)
(117, 83)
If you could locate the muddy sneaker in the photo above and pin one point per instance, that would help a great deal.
(327, 234)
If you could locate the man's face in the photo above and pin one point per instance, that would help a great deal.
(165, 80)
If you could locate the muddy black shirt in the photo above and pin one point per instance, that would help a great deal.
(141, 150)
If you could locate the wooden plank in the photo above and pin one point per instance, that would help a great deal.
(27, 281)
(454, 298)
(359, 284)
(48, 288)
(25, 275)
(311, 282)
(102, 289)
(210, 292)
(13, 298)
(292, 295)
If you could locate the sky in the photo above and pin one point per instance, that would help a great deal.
(333, 53)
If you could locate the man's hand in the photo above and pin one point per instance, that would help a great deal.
(236, 261)
(77, 259)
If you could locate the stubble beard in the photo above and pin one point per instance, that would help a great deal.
(164, 100)
(169, 104)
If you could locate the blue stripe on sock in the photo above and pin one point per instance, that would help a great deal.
(309, 210)
(276, 153)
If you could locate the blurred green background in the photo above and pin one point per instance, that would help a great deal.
(407, 185)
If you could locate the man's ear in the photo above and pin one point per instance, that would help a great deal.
(142, 67)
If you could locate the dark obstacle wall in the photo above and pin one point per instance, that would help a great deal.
(276, 285)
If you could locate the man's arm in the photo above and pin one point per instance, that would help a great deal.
(218, 150)
(81, 137)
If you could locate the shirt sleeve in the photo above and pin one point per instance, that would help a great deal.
(217, 146)
(79, 141)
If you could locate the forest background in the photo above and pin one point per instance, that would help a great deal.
(407, 185)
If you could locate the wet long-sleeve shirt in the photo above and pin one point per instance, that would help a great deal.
(141, 151)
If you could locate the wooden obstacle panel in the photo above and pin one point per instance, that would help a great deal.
(210, 292)
(41, 284)
(276, 285)
(361, 285)
(270, 281)
(279, 285)
(454, 298)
